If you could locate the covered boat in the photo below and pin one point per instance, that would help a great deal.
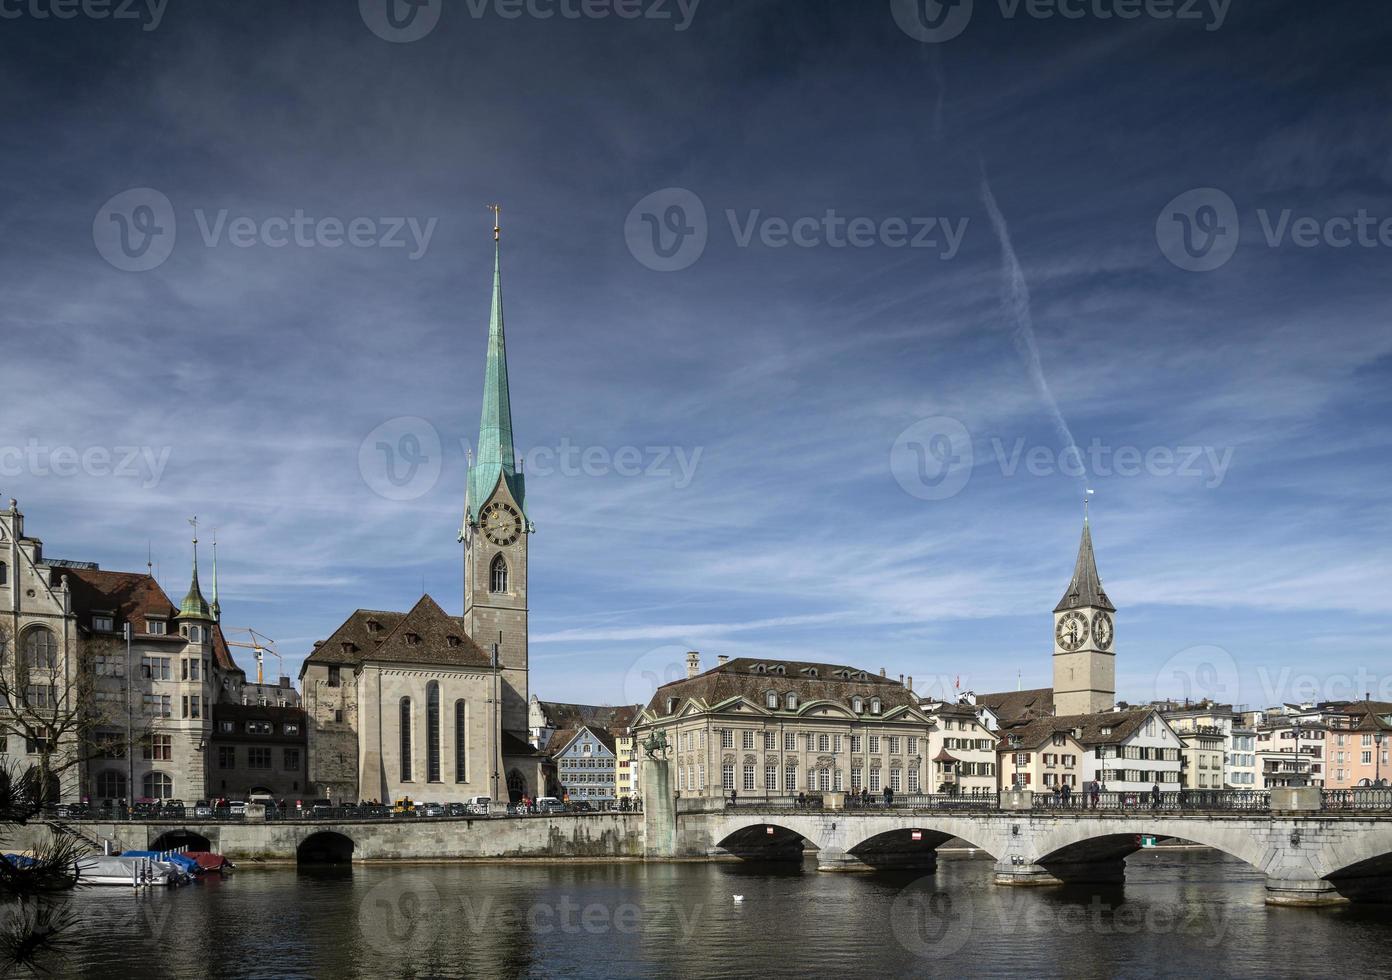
(125, 869)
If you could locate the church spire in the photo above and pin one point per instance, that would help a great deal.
(214, 606)
(1086, 587)
(194, 605)
(496, 456)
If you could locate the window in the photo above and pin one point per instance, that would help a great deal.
(227, 757)
(771, 700)
(195, 634)
(260, 728)
(823, 743)
(109, 666)
(874, 706)
(338, 716)
(291, 728)
(875, 780)
(155, 668)
(770, 742)
(747, 741)
(156, 704)
(498, 575)
(156, 627)
(727, 738)
(111, 784)
(37, 743)
(789, 742)
(727, 776)
(700, 775)
(913, 780)
(40, 648)
(103, 623)
(913, 745)
(857, 705)
(192, 705)
(824, 779)
(790, 701)
(432, 732)
(749, 777)
(405, 725)
(855, 778)
(157, 786)
(259, 757)
(790, 779)
(894, 779)
(770, 779)
(874, 744)
(334, 676)
(290, 760)
(40, 696)
(4, 573)
(894, 745)
(855, 743)
(158, 748)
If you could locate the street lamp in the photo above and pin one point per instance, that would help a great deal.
(1377, 758)
(1015, 741)
(1298, 779)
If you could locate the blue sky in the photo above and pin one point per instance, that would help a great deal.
(789, 406)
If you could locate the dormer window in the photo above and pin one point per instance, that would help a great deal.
(874, 706)
(373, 626)
(156, 627)
(452, 640)
(810, 671)
(771, 699)
(348, 647)
(412, 639)
(790, 701)
(1106, 730)
(858, 705)
(761, 668)
(780, 670)
(103, 623)
(671, 705)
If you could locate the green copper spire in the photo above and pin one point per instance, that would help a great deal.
(194, 605)
(216, 609)
(496, 457)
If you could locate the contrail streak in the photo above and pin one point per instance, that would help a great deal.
(1016, 301)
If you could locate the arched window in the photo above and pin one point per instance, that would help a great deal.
(195, 634)
(771, 700)
(157, 786)
(498, 575)
(790, 701)
(432, 732)
(461, 742)
(874, 706)
(4, 573)
(111, 785)
(40, 648)
(857, 705)
(405, 740)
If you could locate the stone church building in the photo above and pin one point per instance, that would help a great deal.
(427, 705)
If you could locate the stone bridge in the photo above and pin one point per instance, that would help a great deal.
(1307, 859)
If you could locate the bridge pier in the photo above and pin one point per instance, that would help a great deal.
(1310, 893)
(835, 859)
(1061, 873)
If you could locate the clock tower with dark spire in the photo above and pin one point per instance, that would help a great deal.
(1084, 640)
(496, 527)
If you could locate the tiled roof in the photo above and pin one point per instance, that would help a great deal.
(429, 635)
(358, 635)
(1103, 728)
(742, 677)
(130, 596)
(1014, 706)
(1086, 587)
(560, 714)
(514, 746)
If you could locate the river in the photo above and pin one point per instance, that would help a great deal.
(1187, 913)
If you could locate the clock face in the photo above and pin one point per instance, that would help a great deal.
(501, 524)
(1102, 631)
(1071, 631)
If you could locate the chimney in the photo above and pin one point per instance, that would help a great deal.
(882, 672)
(720, 660)
(911, 683)
(693, 663)
(901, 680)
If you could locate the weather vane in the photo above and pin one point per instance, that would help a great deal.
(497, 210)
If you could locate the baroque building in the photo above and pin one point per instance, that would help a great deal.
(427, 705)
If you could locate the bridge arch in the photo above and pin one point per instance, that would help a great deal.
(325, 847)
(883, 846)
(172, 840)
(766, 842)
(1082, 850)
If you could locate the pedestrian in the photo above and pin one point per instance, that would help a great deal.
(1155, 796)
(732, 796)
(1096, 794)
(1067, 793)
(801, 800)
(865, 796)
(888, 796)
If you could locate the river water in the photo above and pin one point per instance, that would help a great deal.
(1186, 913)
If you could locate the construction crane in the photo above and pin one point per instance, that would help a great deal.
(260, 645)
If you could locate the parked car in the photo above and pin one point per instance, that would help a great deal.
(479, 804)
(431, 810)
(236, 808)
(321, 808)
(458, 810)
(173, 808)
(404, 807)
(581, 806)
(71, 810)
(549, 804)
(202, 808)
(374, 811)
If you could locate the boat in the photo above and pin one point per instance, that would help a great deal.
(132, 871)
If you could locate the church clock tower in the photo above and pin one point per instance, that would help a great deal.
(496, 528)
(1084, 640)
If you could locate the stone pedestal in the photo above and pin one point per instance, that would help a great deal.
(1023, 875)
(1295, 798)
(255, 813)
(1016, 799)
(1313, 893)
(659, 810)
(833, 801)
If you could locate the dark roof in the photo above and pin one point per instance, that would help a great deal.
(951, 709)
(560, 714)
(222, 653)
(558, 741)
(129, 596)
(1087, 729)
(742, 677)
(513, 746)
(1015, 706)
(1086, 587)
(429, 635)
(360, 633)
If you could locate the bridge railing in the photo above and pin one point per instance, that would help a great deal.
(1179, 801)
(874, 803)
(1357, 799)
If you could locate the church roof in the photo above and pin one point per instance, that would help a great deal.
(425, 635)
(1086, 588)
(359, 634)
(495, 453)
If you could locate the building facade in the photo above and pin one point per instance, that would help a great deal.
(961, 748)
(780, 728)
(586, 765)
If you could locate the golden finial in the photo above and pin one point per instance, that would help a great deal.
(497, 220)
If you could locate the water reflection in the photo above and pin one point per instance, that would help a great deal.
(1185, 912)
